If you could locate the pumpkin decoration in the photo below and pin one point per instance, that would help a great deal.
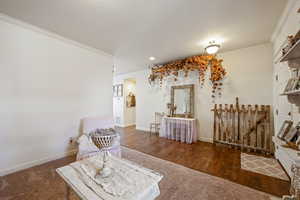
(200, 63)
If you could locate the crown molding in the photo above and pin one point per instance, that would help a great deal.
(50, 34)
(287, 10)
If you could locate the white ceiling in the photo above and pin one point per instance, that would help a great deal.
(133, 30)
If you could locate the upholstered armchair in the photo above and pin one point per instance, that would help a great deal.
(86, 147)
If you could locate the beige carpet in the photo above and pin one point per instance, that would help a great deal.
(263, 165)
(183, 183)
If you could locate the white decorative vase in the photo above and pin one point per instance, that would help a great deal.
(103, 139)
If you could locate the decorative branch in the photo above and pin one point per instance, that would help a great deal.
(198, 63)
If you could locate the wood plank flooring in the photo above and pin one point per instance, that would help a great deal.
(213, 159)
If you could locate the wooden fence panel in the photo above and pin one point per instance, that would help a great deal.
(244, 126)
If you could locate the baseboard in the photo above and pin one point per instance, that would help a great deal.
(204, 139)
(36, 162)
(119, 125)
(124, 125)
(142, 128)
(127, 125)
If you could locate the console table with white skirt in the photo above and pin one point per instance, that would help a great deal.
(179, 129)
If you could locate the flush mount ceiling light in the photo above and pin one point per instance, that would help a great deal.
(152, 58)
(212, 48)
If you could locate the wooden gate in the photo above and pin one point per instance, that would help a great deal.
(243, 126)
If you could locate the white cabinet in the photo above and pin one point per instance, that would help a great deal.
(282, 107)
(286, 156)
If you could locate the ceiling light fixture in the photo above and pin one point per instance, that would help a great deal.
(152, 58)
(212, 48)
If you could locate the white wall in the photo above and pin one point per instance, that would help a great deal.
(289, 24)
(249, 78)
(47, 85)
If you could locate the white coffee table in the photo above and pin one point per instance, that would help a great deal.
(140, 183)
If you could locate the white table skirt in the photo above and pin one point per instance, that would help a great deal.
(179, 129)
(141, 183)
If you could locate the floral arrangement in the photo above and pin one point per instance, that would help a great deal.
(200, 63)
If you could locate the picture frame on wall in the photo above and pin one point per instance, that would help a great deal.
(291, 134)
(289, 85)
(297, 136)
(292, 85)
(115, 91)
(130, 100)
(285, 128)
(118, 90)
(296, 84)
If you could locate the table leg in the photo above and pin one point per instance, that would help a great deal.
(67, 197)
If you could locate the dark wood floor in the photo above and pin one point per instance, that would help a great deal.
(213, 159)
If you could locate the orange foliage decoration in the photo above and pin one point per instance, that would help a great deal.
(198, 63)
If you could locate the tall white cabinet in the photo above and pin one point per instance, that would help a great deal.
(284, 109)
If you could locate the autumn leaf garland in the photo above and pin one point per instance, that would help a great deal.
(200, 63)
